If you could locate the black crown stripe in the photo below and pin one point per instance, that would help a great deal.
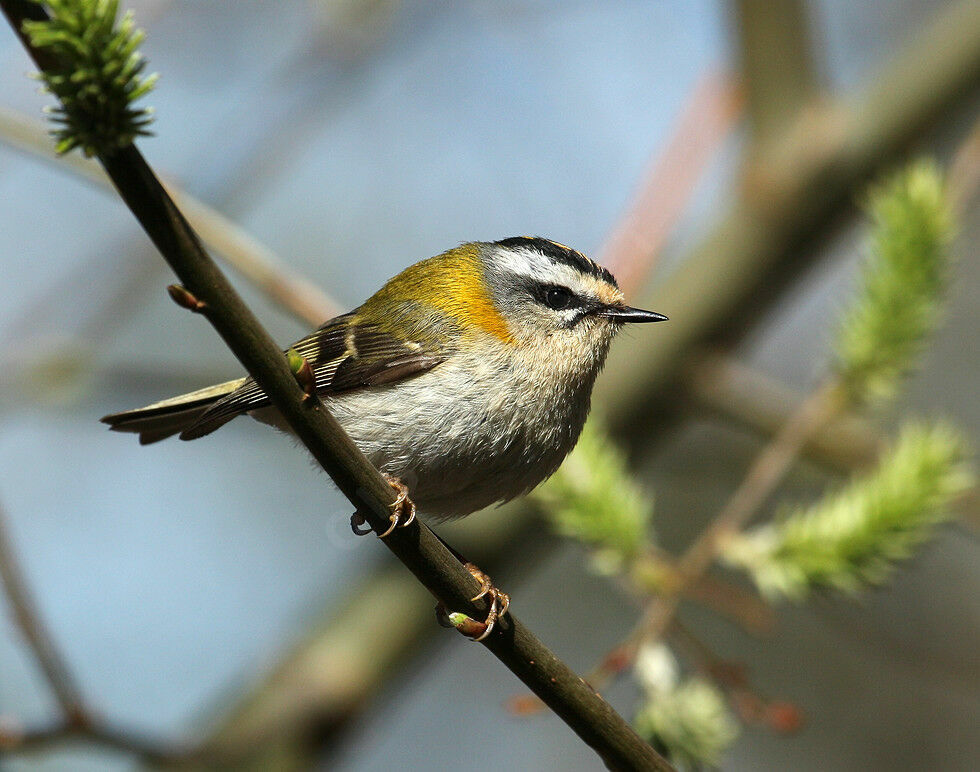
(559, 253)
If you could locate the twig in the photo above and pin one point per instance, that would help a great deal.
(776, 63)
(567, 694)
(765, 474)
(637, 240)
(963, 178)
(753, 400)
(254, 260)
(753, 614)
(757, 402)
(38, 638)
(14, 739)
(752, 706)
(77, 721)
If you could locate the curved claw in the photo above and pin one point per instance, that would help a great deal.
(492, 616)
(394, 524)
(399, 506)
(401, 503)
(356, 521)
(499, 601)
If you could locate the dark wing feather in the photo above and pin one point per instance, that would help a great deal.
(344, 355)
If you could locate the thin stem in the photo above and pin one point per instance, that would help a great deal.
(15, 739)
(765, 474)
(753, 400)
(38, 638)
(638, 239)
(77, 721)
(256, 262)
(744, 607)
(762, 478)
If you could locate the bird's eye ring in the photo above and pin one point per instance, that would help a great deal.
(557, 298)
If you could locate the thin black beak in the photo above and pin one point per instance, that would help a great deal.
(627, 314)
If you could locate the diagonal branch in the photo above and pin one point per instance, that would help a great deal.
(416, 546)
(77, 722)
(254, 260)
(38, 638)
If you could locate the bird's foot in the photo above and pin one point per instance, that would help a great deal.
(473, 628)
(403, 507)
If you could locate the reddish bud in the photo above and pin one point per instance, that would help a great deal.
(183, 298)
(468, 626)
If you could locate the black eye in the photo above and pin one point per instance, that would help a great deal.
(557, 298)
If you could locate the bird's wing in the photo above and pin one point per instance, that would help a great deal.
(344, 354)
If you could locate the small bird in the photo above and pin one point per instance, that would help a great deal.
(466, 378)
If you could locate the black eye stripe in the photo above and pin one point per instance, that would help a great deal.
(555, 296)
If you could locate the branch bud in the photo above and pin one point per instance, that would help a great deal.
(183, 298)
(302, 372)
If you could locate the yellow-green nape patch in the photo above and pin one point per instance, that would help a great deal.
(453, 284)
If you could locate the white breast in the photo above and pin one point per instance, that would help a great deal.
(473, 431)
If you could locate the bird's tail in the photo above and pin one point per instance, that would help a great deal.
(162, 419)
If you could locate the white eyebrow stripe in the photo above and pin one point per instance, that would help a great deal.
(533, 265)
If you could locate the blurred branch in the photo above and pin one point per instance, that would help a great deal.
(77, 721)
(372, 496)
(776, 64)
(15, 739)
(255, 261)
(963, 178)
(719, 290)
(637, 240)
(38, 638)
(328, 679)
(751, 399)
(767, 471)
(731, 677)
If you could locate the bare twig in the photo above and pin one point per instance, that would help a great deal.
(77, 720)
(765, 474)
(256, 262)
(743, 606)
(38, 638)
(14, 739)
(752, 706)
(761, 404)
(755, 401)
(963, 178)
(637, 240)
(776, 63)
